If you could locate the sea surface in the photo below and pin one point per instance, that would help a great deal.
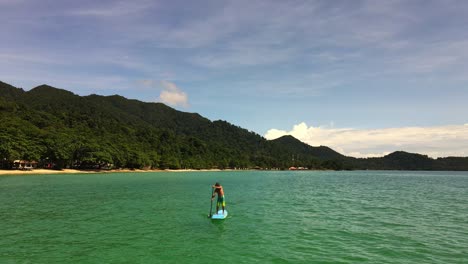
(274, 217)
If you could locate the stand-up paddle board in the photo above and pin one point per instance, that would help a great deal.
(220, 215)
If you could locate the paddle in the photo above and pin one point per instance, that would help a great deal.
(211, 206)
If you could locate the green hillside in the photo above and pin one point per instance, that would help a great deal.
(56, 127)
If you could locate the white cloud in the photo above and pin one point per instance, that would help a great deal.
(9, 2)
(147, 83)
(437, 141)
(244, 56)
(114, 9)
(172, 95)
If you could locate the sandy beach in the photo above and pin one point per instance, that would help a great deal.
(65, 171)
(72, 171)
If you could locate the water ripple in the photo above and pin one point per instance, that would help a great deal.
(275, 217)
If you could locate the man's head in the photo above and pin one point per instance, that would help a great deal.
(217, 184)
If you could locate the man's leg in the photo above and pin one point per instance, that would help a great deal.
(223, 203)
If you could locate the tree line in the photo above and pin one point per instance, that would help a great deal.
(55, 126)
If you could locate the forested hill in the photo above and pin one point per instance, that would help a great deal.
(55, 126)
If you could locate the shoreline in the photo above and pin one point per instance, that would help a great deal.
(74, 171)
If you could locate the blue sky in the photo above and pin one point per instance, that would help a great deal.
(335, 73)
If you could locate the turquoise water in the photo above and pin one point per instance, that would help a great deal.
(274, 217)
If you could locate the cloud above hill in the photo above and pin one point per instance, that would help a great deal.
(173, 95)
(435, 141)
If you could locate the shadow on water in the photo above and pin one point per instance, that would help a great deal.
(216, 224)
(219, 225)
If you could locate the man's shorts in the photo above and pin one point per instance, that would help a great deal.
(221, 201)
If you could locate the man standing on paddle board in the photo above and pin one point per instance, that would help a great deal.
(218, 189)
